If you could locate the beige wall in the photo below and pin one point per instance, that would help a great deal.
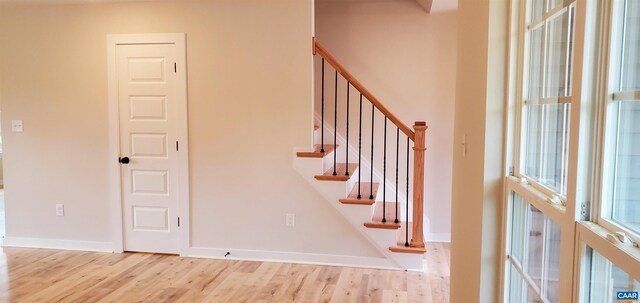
(478, 188)
(407, 58)
(249, 64)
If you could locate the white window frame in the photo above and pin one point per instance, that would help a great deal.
(600, 234)
(584, 180)
(560, 208)
(524, 27)
(601, 210)
(626, 257)
(519, 266)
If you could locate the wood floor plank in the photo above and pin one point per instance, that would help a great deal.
(394, 296)
(347, 286)
(311, 288)
(225, 291)
(418, 287)
(40, 275)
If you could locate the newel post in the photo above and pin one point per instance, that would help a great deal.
(420, 128)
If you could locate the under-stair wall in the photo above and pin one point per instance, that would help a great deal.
(365, 170)
(361, 192)
(408, 59)
(360, 124)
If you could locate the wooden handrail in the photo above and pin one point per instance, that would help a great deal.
(365, 92)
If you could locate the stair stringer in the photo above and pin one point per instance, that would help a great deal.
(356, 215)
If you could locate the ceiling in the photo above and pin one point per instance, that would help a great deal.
(429, 5)
(436, 6)
(68, 1)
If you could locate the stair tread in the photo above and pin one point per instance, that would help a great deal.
(340, 172)
(365, 191)
(316, 153)
(386, 225)
(408, 250)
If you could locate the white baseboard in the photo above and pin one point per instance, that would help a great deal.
(438, 237)
(290, 257)
(58, 244)
(215, 253)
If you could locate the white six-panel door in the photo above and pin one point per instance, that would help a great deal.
(147, 93)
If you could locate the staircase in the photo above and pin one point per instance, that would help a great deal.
(367, 182)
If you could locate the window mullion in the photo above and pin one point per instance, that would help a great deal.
(545, 259)
(625, 96)
(579, 91)
(602, 193)
(549, 15)
(622, 45)
(543, 158)
(569, 53)
(614, 171)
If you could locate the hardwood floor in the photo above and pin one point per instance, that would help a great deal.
(40, 275)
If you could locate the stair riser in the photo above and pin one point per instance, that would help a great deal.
(364, 177)
(401, 236)
(390, 210)
(365, 164)
(356, 215)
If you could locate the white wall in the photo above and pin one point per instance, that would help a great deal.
(478, 187)
(407, 58)
(249, 64)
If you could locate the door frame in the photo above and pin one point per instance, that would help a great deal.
(115, 189)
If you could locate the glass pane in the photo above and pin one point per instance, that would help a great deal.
(631, 47)
(626, 161)
(536, 10)
(517, 287)
(536, 244)
(535, 64)
(518, 226)
(531, 298)
(546, 144)
(609, 283)
(546, 117)
(552, 264)
(559, 50)
(535, 239)
(554, 4)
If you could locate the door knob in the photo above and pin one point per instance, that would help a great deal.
(123, 160)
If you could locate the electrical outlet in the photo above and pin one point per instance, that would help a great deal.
(291, 220)
(59, 210)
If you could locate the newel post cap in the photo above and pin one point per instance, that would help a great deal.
(420, 125)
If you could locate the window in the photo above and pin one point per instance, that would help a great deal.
(577, 109)
(606, 280)
(547, 97)
(538, 187)
(534, 255)
(621, 181)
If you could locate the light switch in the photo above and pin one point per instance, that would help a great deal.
(59, 210)
(291, 220)
(16, 126)
(464, 145)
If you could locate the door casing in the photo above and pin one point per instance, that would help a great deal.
(115, 189)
